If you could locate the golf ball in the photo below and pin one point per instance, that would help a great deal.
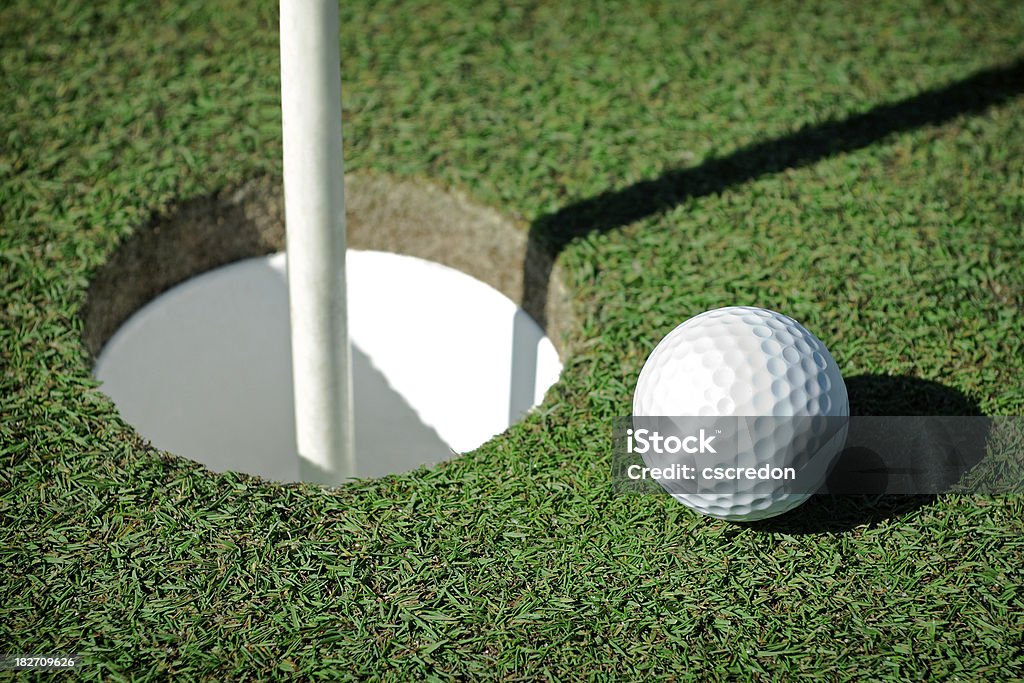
(779, 379)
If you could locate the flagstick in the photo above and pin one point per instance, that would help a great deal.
(315, 219)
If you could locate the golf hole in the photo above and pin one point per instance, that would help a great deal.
(442, 360)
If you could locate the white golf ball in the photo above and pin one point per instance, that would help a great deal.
(762, 366)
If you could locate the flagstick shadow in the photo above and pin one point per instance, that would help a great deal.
(551, 233)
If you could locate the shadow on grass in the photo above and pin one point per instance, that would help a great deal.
(551, 233)
(869, 394)
(872, 395)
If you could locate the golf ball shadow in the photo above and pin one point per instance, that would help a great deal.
(860, 484)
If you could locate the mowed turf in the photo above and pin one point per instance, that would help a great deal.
(858, 166)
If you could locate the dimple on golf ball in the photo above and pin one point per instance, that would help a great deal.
(767, 369)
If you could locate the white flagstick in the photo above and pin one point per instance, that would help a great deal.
(315, 220)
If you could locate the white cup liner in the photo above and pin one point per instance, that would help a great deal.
(441, 363)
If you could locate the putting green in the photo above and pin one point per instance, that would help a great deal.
(857, 167)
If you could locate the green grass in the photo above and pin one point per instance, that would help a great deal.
(902, 251)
